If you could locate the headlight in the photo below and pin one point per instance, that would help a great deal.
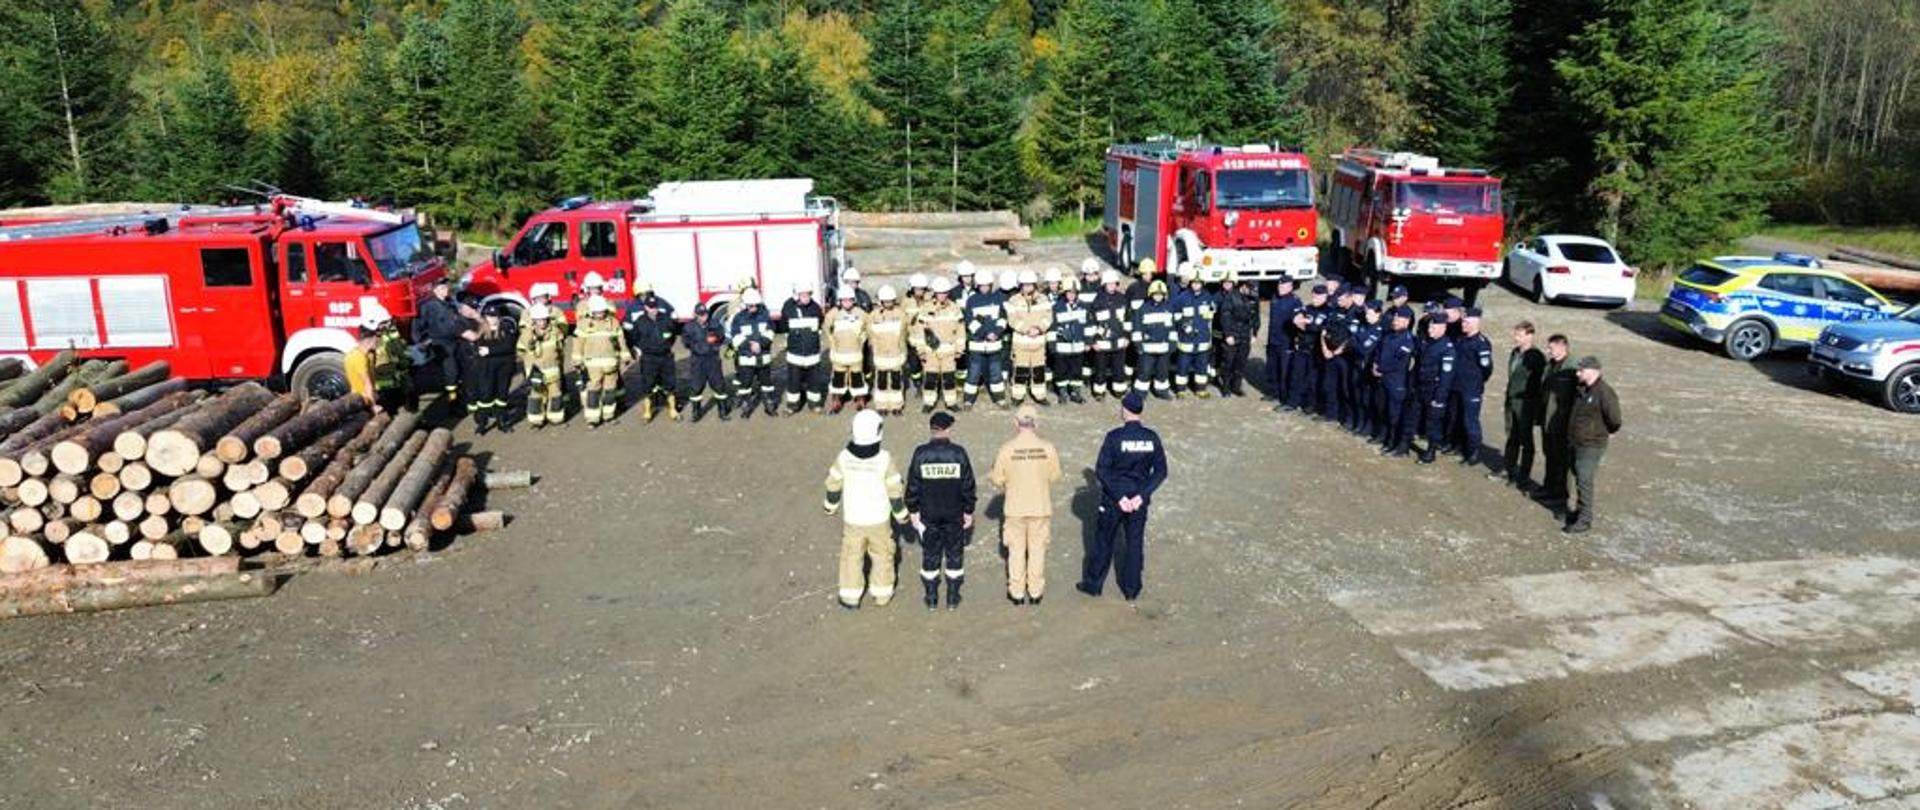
(1406, 266)
(1874, 345)
(1232, 218)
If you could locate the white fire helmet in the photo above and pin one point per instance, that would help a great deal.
(942, 285)
(1053, 275)
(1110, 276)
(1009, 280)
(964, 269)
(850, 276)
(594, 281)
(1027, 277)
(887, 294)
(545, 289)
(845, 293)
(917, 281)
(539, 312)
(866, 427)
(373, 316)
(1187, 271)
(1090, 267)
(598, 305)
(803, 289)
(751, 297)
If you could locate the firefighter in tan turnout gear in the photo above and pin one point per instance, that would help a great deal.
(1029, 316)
(543, 353)
(846, 350)
(865, 488)
(599, 352)
(887, 337)
(939, 336)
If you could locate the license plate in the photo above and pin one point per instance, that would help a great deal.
(1824, 353)
(1448, 267)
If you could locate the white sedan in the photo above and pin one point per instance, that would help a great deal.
(1558, 268)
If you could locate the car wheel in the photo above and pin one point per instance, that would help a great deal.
(1747, 340)
(1539, 291)
(1903, 389)
(321, 377)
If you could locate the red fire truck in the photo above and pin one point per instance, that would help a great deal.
(1399, 216)
(693, 241)
(267, 292)
(1248, 209)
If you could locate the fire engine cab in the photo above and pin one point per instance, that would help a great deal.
(270, 291)
(1400, 216)
(1248, 209)
(692, 241)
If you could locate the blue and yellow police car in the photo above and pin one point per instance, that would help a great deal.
(1752, 305)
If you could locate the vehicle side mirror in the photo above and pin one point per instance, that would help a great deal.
(502, 261)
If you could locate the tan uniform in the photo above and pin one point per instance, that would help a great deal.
(599, 351)
(887, 336)
(866, 492)
(939, 336)
(543, 354)
(1026, 468)
(1029, 318)
(846, 351)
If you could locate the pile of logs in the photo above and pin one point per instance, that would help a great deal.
(1886, 272)
(890, 243)
(143, 468)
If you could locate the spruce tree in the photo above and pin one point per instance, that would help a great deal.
(68, 81)
(294, 160)
(490, 167)
(978, 108)
(414, 121)
(1064, 144)
(591, 79)
(700, 86)
(1675, 94)
(902, 88)
(1466, 80)
(355, 137)
(1193, 96)
(1265, 96)
(804, 131)
(216, 149)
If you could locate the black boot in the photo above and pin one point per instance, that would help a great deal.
(933, 592)
(481, 423)
(726, 410)
(699, 409)
(504, 422)
(953, 592)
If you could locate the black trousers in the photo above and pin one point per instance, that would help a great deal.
(704, 374)
(1119, 541)
(808, 380)
(1067, 368)
(1518, 456)
(1279, 369)
(754, 381)
(1559, 456)
(656, 375)
(1333, 388)
(486, 381)
(1433, 417)
(1110, 369)
(1233, 364)
(1395, 430)
(452, 367)
(943, 549)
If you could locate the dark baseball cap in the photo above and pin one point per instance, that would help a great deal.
(1397, 292)
(1473, 312)
(1454, 302)
(1375, 306)
(941, 420)
(1438, 318)
(1319, 289)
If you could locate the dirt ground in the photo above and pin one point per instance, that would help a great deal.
(1322, 628)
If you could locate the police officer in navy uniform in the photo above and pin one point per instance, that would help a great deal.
(940, 501)
(1237, 322)
(1473, 353)
(1132, 465)
(704, 337)
(1392, 367)
(1303, 380)
(1280, 338)
(1362, 393)
(1433, 382)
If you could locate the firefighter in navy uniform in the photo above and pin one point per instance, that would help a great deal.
(1068, 342)
(650, 334)
(986, 336)
(802, 318)
(543, 353)
(1088, 291)
(1193, 311)
(751, 334)
(1392, 367)
(1111, 332)
(1433, 381)
(438, 328)
(940, 501)
(1335, 341)
(706, 338)
(487, 360)
(1474, 354)
(1239, 318)
(1153, 334)
(1132, 465)
(1280, 314)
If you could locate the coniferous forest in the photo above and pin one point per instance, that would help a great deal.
(1669, 124)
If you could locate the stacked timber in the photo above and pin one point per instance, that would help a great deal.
(907, 242)
(111, 464)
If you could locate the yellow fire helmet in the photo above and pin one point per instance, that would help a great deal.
(1157, 288)
(1148, 268)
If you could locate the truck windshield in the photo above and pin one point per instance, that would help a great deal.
(1263, 188)
(401, 252)
(1448, 198)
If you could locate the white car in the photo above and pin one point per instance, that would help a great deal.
(1558, 268)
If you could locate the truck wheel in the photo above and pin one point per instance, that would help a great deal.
(1903, 389)
(321, 376)
(1747, 340)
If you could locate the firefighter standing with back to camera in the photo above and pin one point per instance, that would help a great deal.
(1132, 465)
(1026, 468)
(940, 500)
(865, 488)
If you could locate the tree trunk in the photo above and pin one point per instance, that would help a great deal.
(14, 419)
(11, 368)
(315, 456)
(245, 505)
(176, 450)
(454, 502)
(509, 479)
(366, 506)
(488, 521)
(312, 501)
(273, 495)
(340, 503)
(75, 453)
(57, 531)
(27, 389)
(141, 397)
(136, 477)
(87, 374)
(86, 508)
(406, 495)
(209, 466)
(85, 548)
(158, 505)
(86, 398)
(129, 506)
(153, 526)
(117, 533)
(317, 421)
(104, 486)
(26, 520)
(234, 447)
(88, 597)
(132, 444)
(192, 495)
(419, 531)
(63, 489)
(20, 554)
(216, 539)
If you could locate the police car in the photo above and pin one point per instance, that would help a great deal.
(1881, 354)
(1752, 305)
